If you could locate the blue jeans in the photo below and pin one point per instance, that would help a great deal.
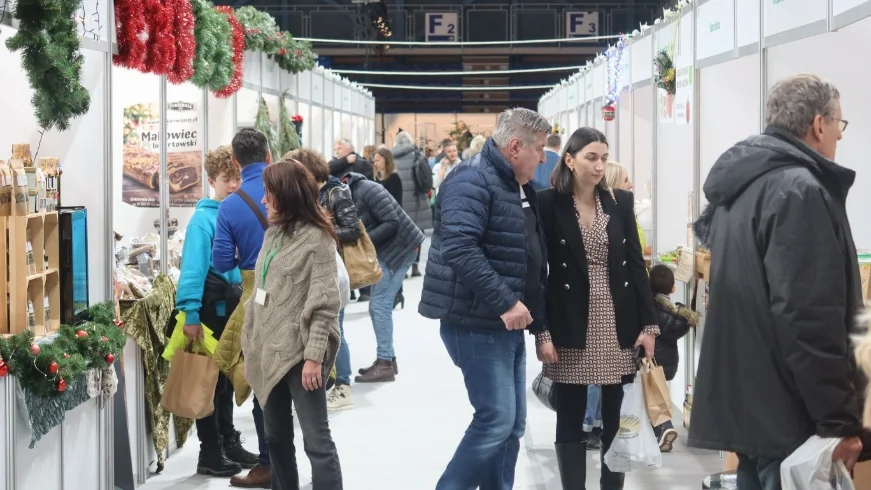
(381, 301)
(593, 415)
(343, 358)
(494, 369)
(262, 445)
(758, 473)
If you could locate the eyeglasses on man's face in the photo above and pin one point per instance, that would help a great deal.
(842, 124)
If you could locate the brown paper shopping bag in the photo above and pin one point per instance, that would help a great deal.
(656, 395)
(190, 387)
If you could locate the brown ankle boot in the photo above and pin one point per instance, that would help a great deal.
(415, 271)
(367, 369)
(259, 477)
(381, 371)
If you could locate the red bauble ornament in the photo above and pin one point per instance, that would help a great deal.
(608, 112)
(82, 334)
(282, 51)
(34, 349)
(238, 42)
(110, 358)
(52, 368)
(4, 368)
(61, 385)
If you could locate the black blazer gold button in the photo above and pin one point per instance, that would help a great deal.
(564, 265)
(562, 242)
(568, 287)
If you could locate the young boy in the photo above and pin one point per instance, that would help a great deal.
(674, 322)
(206, 296)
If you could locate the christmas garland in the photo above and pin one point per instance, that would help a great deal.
(161, 37)
(185, 42)
(45, 366)
(261, 31)
(50, 44)
(131, 31)
(665, 74)
(288, 139)
(213, 63)
(238, 53)
(294, 56)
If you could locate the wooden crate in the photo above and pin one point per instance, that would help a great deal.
(38, 284)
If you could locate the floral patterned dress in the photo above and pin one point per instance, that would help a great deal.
(602, 361)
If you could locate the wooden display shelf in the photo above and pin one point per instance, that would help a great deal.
(36, 284)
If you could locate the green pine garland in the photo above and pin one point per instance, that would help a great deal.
(213, 62)
(264, 125)
(263, 35)
(295, 57)
(288, 139)
(50, 44)
(73, 354)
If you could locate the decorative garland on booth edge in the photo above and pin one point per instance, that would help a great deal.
(664, 69)
(47, 35)
(44, 366)
(238, 39)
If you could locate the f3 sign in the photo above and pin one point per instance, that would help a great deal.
(442, 27)
(582, 24)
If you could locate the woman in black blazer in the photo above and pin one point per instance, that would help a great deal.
(599, 305)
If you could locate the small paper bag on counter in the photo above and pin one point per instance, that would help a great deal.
(19, 188)
(5, 189)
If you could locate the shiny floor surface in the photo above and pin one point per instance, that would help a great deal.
(400, 436)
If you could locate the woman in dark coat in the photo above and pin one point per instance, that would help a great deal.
(599, 305)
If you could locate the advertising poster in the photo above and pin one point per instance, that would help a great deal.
(141, 182)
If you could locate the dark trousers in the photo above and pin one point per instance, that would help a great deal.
(213, 429)
(311, 408)
(262, 445)
(571, 404)
(659, 429)
(758, 473)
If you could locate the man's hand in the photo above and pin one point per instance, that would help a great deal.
(546, 353)
(312, 377)
(193, 332)
(352, 158)
(517, 317)
(848, 451)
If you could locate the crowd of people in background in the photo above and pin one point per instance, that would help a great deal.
(527, 228)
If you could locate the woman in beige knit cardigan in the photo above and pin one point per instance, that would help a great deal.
(291, 332)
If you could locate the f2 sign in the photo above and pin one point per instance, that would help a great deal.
(442, 27)
(582, 24)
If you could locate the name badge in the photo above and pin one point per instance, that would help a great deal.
(260, 297)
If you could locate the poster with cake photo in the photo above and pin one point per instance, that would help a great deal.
(141, 182)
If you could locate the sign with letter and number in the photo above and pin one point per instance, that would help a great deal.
(582, 24)
(442, 27)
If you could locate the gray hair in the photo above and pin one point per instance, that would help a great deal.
(347, 143)
(403, 138)
(520, 123)
(794, 102)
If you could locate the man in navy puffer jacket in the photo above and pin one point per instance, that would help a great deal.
(485, 281)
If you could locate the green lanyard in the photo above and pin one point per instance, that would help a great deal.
(270, 255)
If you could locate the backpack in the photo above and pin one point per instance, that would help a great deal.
(421, 174)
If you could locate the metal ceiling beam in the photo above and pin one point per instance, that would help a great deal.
(449, 51)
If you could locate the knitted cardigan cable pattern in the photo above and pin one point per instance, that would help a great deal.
(300, 319)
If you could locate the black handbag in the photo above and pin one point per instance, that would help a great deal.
(545, 391)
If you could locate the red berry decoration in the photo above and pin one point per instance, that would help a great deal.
(104, 339)
(110, 358)
(4, 368)
(118, 323)
(61, 385)
(34, 349)
(66, 356)
(82, 334)
(52, 368)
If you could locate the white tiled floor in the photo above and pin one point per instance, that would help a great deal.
(400, 436)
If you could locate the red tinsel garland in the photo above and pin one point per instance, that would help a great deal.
(132, 33)
(185, 42)
(238, 52)
(161, 37)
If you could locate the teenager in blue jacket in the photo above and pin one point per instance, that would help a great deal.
(207, 296)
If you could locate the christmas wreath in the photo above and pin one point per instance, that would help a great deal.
(665, 75)
(50, 44)
(131, 32)
(213, 62)
(185, 42)
(45, 366)
(238, 39)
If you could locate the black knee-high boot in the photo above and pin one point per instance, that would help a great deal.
(572, 460)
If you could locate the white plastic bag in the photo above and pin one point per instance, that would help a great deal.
(810, 467)
(635, 447)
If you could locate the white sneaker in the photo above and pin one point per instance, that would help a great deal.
(666, 440)
(340, 398)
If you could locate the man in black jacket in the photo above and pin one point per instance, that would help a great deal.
(776, 366)
(347, 160)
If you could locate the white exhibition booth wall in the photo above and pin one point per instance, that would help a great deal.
(79, 453)
(669, 146)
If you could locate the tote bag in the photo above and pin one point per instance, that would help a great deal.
(361, 261)
(657, 399)
(190, 387)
